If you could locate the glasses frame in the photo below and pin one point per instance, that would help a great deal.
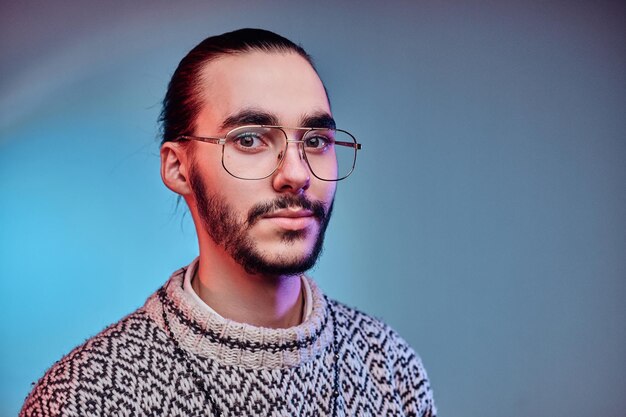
(222, 141)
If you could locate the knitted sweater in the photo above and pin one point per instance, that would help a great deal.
(173, 358)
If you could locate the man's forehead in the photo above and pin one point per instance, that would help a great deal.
(263, 88)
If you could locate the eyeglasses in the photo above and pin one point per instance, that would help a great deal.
(256, 152)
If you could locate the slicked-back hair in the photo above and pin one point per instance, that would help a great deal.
(182, 102)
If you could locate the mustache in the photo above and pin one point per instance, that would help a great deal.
(287, 201)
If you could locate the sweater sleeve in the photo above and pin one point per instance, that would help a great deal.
(52, 395)
(412, 381)
(82, 383)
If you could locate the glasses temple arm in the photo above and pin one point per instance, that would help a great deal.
(216, 141)
(349, 144)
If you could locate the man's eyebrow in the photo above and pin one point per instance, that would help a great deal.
(249, 117)
(260, 117)
(321, 119)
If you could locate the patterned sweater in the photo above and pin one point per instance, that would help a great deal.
(173, 358)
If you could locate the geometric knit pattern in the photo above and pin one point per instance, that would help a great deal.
(170, 358)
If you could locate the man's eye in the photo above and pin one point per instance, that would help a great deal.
(248, 141)
(317, 142)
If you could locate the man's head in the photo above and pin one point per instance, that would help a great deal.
(274, 225)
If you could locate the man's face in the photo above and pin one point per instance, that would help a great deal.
(275, 225)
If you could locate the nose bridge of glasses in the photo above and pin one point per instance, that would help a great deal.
(296, 137)
(297, 147)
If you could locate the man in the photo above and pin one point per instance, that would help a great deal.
(250, 143)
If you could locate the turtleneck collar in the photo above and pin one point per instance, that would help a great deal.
(190, 273)
(203, 332)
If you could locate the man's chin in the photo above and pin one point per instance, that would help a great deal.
(278, 268)
(284, 260)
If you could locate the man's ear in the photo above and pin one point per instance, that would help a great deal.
(175, 165)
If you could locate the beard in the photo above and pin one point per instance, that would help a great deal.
(220, 221)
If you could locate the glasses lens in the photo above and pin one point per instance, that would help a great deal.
(331, 153)
(253, 152)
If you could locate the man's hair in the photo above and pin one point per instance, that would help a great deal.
(182, 102)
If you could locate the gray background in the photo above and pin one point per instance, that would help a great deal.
(485, 221)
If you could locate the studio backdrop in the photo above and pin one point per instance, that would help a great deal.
(486, 219)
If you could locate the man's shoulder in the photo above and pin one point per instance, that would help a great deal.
(116, 339)
(103, 364)
(355, 323)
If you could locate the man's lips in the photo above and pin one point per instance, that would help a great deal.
(291, 219)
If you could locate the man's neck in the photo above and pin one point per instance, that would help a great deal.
(265, 301)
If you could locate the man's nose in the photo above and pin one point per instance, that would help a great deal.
(293, 174)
